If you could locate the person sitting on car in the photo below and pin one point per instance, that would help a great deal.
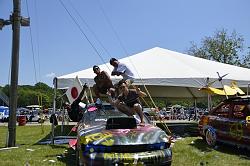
(102, 82)
(128, 101)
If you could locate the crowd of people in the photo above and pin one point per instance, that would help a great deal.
(122, 95)
(179, 113)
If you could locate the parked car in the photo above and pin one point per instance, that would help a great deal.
(229, 122)
(106, 136)
(31, 115)
(4, 114)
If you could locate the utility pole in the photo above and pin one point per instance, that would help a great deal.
(16, 20)
(16, 17)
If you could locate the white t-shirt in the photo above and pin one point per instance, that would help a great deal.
(126, 72)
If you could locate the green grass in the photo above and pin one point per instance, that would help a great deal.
(191, 151)
(27, 137)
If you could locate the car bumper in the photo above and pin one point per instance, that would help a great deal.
(158, 157)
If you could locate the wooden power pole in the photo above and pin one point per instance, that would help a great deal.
(16, 17)
(16, 20)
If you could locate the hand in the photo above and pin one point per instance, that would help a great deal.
(137, 90)
(108, 93)
(85, 86)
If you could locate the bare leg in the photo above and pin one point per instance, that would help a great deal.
(120, 106)
(96, 91)
(138, 109)
(124, 109)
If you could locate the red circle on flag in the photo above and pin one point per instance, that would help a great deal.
(74, 92)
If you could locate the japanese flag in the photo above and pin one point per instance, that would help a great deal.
(74, 91)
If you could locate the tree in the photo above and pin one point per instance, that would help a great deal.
(40, 94)
(222, 47)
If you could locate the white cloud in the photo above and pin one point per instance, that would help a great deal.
(51, 75)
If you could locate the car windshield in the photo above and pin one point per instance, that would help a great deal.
(100, 116)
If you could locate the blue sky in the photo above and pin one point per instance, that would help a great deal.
(61, 48)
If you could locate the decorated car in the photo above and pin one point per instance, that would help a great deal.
(106, 136)
(229, 122)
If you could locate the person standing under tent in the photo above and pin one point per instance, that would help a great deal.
(128, 101)
(123, 70)
(102, 82)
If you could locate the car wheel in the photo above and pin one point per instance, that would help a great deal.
(210, 137)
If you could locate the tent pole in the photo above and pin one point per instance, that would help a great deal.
(208, 95)
(54, 110)
(195, 108)
(63, 121)
(248, 88)
(208, 102)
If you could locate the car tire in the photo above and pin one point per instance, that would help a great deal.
(211, 137)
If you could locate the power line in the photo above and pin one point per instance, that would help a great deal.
(125, 50)
(32, 45)
(37, 41)
(93, 33)
(81, 30)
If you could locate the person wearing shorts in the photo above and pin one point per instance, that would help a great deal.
(102, 82)
(128, 101)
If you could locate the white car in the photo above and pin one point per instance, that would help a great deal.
(4, 114)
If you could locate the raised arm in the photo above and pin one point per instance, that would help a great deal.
(78, 100)
(83, 90)
(117, 73)
(107, 75)
(139, 92)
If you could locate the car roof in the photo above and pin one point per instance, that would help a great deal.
(243, 98)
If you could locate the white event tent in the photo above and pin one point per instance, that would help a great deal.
(169, 74)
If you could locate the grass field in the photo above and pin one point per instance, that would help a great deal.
(190, 151)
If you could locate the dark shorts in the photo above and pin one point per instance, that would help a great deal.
(131, 105)
(103, 90)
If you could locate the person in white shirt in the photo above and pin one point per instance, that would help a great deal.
(123, 70)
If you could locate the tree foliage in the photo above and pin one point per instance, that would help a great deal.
(222, 47)
(40, 94)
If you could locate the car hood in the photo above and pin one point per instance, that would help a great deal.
(99, 135)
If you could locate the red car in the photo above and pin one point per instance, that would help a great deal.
(229, 122)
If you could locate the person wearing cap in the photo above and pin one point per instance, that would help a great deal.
(102, 82)
(123, 70)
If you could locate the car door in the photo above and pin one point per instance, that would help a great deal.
(240, 129)
(236, 122)
(220, 121)
(246, 127)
